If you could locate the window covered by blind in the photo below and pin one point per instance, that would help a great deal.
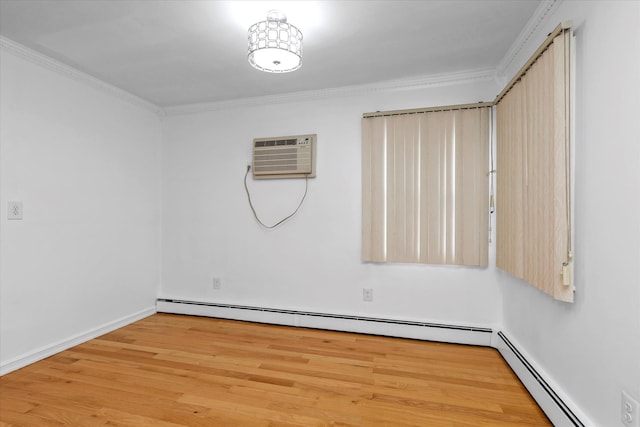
(533, 178)
(425, 187)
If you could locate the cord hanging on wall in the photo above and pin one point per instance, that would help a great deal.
(255, 214)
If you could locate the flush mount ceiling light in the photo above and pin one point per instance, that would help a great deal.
(274, 45)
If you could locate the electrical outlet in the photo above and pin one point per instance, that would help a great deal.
(14, 210)
(217, 283)
(629, 411)
(367, 294)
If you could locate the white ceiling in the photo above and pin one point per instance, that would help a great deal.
(180, 52)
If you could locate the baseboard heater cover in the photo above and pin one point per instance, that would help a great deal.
(553, 405)
(458, 334)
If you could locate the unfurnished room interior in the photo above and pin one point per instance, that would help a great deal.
(320, 213)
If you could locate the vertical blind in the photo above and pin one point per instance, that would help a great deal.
(425, 187)
(533, 178)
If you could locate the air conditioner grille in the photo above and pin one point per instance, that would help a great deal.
(276, 142)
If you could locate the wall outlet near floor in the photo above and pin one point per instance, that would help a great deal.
(367, 294)
(14, 210)
(630, 411)
(217, 283)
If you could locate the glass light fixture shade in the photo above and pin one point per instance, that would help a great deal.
(274, 45)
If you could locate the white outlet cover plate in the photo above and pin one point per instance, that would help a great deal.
(14, 210)
(630, 408)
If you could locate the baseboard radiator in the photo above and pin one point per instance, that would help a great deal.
(339, 322)
(544, 394)
(554, 407)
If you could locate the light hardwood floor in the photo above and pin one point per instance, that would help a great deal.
(172, 370)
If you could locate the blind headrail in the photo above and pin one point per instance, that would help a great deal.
(562, 27)
(427, 110)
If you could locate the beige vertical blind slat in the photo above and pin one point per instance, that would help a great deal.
(533, 186)
(538, 190)
(373, 161)
(435, 187)
(511, 177)
(395, 155)
(367, 232)
(473, 177)
(435, 172)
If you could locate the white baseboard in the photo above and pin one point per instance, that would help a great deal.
(51, 349)
(459, 334)
(557, 406)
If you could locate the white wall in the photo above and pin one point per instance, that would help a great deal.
(591, 348)
(85, 164)
(312, 262)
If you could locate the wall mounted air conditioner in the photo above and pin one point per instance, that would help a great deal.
(284, 157)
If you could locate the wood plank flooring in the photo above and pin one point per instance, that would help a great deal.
(171, 370)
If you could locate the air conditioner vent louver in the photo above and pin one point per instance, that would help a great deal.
(276, 142)
(284, 157)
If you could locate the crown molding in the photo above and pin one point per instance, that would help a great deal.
(485, 74)
(422, 82)
(539, 17)
(58, 67)
(498, 75)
